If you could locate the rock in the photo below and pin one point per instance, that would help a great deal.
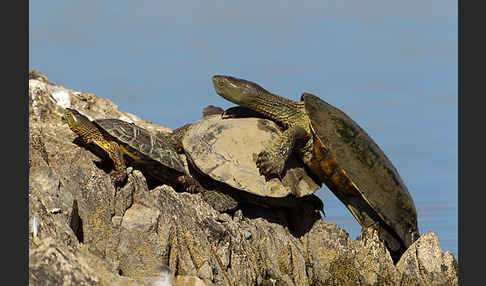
(54, 263)
(425, 262)
(86, 231)
(188, 281)
(37, 75)
(374, 259)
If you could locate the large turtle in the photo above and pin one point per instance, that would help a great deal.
(338, 152)
(225, 150)
(156, 154)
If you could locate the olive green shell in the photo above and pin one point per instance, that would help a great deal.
(142, 144)
(366, 165)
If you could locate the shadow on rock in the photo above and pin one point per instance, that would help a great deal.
(299, 220)
(298, 217)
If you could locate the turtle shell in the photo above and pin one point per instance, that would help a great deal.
(366, 165)
(226, 151)
(141, 145)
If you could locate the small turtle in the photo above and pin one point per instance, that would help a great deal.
(154, 153)
(338, 152)
(225, 150)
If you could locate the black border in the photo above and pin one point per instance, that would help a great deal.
(471, 143)
(15, 140)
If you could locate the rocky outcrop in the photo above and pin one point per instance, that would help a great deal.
(84, 230)
(424, 262)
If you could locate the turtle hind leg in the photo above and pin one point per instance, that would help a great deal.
(219, 201)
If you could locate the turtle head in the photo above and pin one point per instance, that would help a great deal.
(254, 97)
(239, 91)
(75, 119)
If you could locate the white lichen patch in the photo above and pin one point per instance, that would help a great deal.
(55, 211)
(34, 226)
(34, 86)
(56, 94)
(37, 89)
(61, 96)
(164, 279)
(165, 276)
(33, 83)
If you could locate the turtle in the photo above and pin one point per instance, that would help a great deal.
(225, 151)
(156, 154)
(337, 152)
(159, 155)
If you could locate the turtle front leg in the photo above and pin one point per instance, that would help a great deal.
(272, 162)
(189, 184)
(119, 174)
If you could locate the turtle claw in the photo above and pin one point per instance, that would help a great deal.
(118, 177)
(189, 184)
(193, 189)
(269, 164)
